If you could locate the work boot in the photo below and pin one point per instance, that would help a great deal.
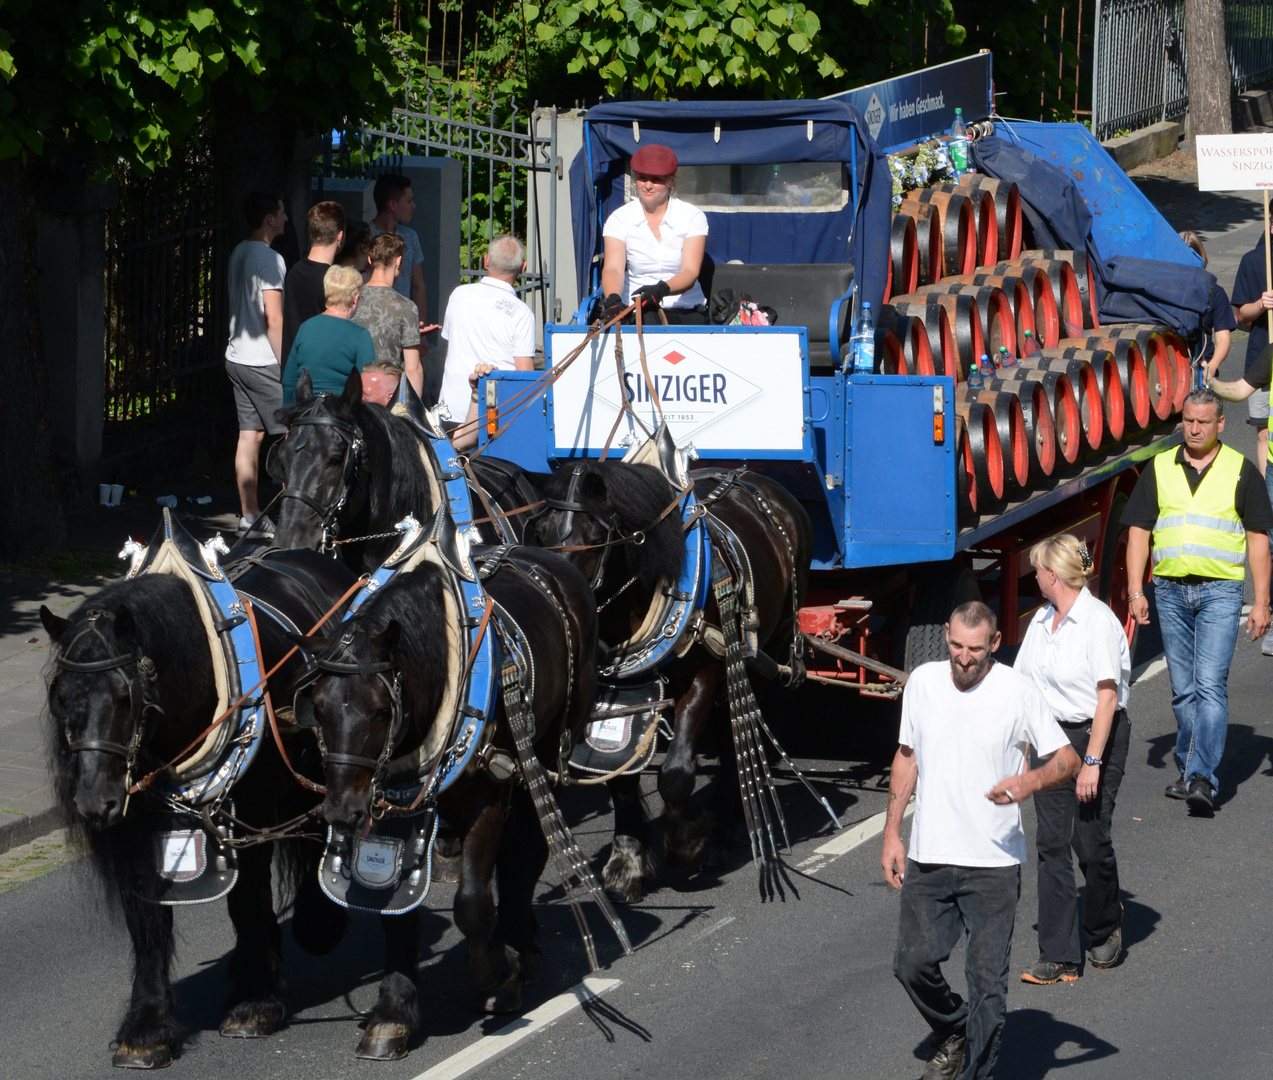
(1177, 789)
(1047, 972)
(947, 1060)
(1201, 795)
(1107, 953)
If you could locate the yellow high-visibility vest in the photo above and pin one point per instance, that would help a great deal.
(1199, 532)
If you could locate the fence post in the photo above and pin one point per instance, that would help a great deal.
(1096, 72)
(71, 261)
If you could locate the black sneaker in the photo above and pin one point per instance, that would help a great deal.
(1107, 953)
(1047, 972)
(1201, 795)
(1177, 789)
(947, 1060)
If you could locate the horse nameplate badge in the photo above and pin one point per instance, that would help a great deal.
(621, 737)
(377, 861)
(612, 733)
(183, 856)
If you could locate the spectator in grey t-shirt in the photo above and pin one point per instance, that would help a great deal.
(392, 320)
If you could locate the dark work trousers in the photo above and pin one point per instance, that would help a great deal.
(1064, 823)
(938, 904)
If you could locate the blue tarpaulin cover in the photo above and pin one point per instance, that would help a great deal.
(743, 133)
(1128, 288)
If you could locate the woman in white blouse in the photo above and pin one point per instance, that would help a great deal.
(1075, 651)
(654, 246)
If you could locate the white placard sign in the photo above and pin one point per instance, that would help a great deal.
(735, 392)
(1235, 162)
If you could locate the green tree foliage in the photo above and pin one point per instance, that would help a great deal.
(666, 48)
(126, 80)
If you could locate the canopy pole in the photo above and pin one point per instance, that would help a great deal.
(1268, 261)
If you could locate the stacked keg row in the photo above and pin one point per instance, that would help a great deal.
(960, 286)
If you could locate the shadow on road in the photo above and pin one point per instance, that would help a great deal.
(1035, 1043)
(1244, 753)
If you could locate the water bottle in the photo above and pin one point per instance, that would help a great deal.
(1006, 360)
(864, 342)
(1029, 346)
(986, 367)
(959, 144)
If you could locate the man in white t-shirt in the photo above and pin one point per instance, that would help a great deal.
(254, 354)
(487, 323)
(966, 729)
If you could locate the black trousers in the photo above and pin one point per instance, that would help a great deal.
(1065, 824)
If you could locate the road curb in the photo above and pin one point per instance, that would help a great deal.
(1148, 144)
(17, 830)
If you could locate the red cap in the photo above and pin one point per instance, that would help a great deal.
(654, 160)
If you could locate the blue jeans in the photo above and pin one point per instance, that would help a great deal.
(1199, 628)
(938, 904)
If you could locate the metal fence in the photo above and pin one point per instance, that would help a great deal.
(1140, 57)
(510, 165)
(165, 275)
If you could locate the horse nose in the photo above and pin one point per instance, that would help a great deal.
(344, 817)
(99, 811)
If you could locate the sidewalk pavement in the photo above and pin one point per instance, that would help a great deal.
(97, 534)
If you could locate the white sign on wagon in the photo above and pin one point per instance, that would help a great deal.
(740, 392)
(1235, 162)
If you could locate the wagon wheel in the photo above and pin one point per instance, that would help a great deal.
(1114, 567)
(940, 591)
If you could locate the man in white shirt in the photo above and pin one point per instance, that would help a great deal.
(966, 727)
(254, 355)
(487, 323)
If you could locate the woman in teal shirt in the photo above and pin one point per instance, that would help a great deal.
(329, 346)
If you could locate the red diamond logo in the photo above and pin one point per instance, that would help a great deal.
(673, 357)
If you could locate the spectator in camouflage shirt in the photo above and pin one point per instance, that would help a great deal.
(390, 318)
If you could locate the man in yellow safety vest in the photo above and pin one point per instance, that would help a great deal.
(1208, 512)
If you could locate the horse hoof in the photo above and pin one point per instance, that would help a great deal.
(384, 1042)
(446, 867)
(687, 857)
(626, 892)
(507, 999)
(142, 1057)
(256, 1026)
(715, 858)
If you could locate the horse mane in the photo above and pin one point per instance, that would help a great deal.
(170, 632)
(387, 435)
(414, 600)
(637, 495)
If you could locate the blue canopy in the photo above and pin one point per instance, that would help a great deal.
(744, 133)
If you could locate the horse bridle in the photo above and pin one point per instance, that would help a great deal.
(345, 665)
(571, 506)
(353, 438)
(141, 695)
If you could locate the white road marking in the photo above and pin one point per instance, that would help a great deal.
(1148, 670)
(712, 929)
(846, 840)
(490, 1047)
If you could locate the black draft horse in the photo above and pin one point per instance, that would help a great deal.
(401, 629)
(147, 650)
(353, 470)
(611, 512)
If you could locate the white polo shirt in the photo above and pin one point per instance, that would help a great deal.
(965, 742)
(1087, 646)
(650, 259)
(485, 323)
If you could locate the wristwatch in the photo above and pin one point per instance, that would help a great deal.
(1089, 760)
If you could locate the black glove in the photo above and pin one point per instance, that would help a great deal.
(651, 295)
(608, 308)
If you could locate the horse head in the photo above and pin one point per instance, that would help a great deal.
(320, 463)
(354, 706)
(616, 522)
(102, 697)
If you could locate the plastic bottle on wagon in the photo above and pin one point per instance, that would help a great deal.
(1006, 360)
(1029, 344)
(959, 144)
(863, 348)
